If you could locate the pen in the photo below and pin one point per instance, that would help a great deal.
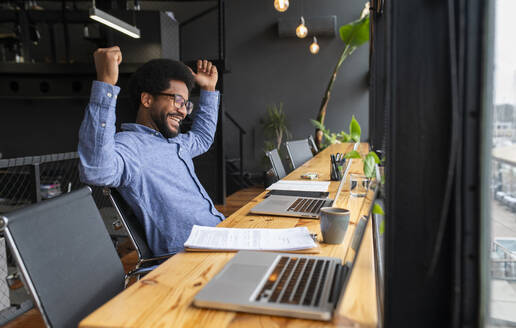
(335, 174)
(332, 166)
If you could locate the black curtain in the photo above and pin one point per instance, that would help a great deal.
(426, 87)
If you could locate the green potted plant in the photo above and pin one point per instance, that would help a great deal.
(275, 130)
(275, 126)
(370, 160)
(330, 138)
(354, 35)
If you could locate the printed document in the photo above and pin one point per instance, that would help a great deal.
(300, 185)
(250, 239)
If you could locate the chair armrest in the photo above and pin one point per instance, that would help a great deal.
(146, 268)
(140, 271)
(157, 258)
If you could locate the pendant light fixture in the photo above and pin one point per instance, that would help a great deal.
(314, 47)
(113, 22)
(281, 5)
(301, 30)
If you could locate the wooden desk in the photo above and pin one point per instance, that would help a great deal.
(164, 297)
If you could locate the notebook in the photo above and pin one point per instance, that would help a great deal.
(306, 207)
(294, 285)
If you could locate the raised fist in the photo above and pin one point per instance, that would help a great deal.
(106, 64)
(206, 76)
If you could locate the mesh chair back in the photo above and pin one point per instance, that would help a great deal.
(312, 144)
(276, 163)
(132, 225)
(298, 152)
(65, 255)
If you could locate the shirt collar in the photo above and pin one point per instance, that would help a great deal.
(135, 127)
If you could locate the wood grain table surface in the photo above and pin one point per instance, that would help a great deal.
(163, 298)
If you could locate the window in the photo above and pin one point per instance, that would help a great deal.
(502, 193)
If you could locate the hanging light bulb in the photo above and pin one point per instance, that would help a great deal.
(314, 47)
(281, 5)
(301, 30)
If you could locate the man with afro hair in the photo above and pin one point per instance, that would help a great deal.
(150, 161)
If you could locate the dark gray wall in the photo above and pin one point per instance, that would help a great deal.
(266, 69)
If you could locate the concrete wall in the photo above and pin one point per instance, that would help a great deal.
(267, 69)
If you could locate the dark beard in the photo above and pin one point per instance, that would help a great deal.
(163, 127)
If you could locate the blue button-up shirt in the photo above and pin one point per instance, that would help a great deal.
(155, 175)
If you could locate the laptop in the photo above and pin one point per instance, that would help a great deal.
(298, 206)
(293, 285)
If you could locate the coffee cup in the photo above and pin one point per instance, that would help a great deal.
(334, 224)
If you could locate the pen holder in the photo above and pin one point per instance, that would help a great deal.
(337, 169)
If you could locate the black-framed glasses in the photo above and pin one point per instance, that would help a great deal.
(179, 101)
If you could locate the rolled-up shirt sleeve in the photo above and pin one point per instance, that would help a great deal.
(202, 133)
(102, 160)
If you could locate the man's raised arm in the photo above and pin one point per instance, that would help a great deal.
(101, 161)
(205, 122)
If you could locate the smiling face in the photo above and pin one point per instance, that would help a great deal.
(165, 117)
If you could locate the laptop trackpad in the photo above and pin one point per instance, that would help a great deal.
(243, 273)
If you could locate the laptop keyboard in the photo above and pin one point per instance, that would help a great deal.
(307, 205)
(295, 281)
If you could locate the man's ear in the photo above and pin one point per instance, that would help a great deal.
(146, 99)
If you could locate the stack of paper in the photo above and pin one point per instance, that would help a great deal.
(300, 185)
(210, 238)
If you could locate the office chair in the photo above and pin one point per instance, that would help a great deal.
(276, 163)
(298, 152)
(65, 256)
(147, 261)
(312, 144)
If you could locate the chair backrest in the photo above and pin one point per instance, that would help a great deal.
(65, 255)
(298, 152)
(312, 144)
(134, 228)
(276, 163)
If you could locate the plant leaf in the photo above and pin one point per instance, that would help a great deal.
(375, 156)
(377, 209)
(353, 154)
(318, 125)
(354, 129)
(332, 138)
(343, 136)
(355, 33)
(369, 166)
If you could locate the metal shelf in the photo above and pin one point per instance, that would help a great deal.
(58, 69)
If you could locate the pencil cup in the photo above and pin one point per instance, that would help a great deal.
(334, 224)
(336, 170)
